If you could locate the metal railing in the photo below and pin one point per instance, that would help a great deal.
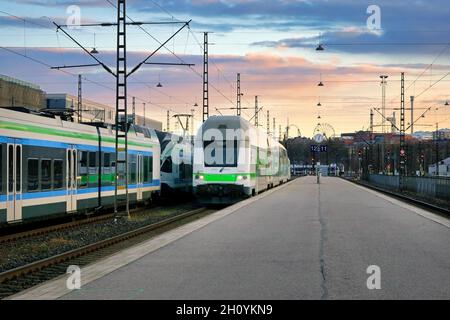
(434, 187)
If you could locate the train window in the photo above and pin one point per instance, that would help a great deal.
(220, 153)
(93, 163)
(69, 167)
(46, 174)
(10, 168)
(146, 169)
(182, 171)
(33, 175)
(150, 169)
(1, 168)
(18, 168)
(106, 168)
(133, 169)
(188, 171)
(58, 174)
(167, 165)
(106, 160)
(82, 168)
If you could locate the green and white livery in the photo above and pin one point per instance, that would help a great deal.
(49, 166)
(234, 160)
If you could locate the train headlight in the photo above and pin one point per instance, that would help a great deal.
(199, 177)
(245, 177)
(239, 178)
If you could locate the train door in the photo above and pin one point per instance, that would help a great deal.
(71, 179)
(14, 182)
(140, 176)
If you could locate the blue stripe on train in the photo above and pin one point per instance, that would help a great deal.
(62, 145)
(58, 193)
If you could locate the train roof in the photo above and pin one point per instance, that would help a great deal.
(36, 120)
(231, 122)
(235, 123)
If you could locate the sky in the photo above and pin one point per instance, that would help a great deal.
(270, 43)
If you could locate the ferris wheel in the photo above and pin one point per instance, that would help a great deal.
(325, 129)
(299, 133)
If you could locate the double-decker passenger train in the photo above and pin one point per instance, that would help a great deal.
(234, 160)
(50, 166)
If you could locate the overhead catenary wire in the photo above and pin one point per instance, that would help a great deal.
(173, 53)
(8, 49)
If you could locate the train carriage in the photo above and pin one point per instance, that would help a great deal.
(233, 160)
(176, 163)
(50, 166)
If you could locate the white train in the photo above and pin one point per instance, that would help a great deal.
(176, 163)
(234, 160)
(49, 166)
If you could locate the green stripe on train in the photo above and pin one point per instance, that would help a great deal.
(61, 133)
(225, 177)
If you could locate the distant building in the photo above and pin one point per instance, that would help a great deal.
(21, 94)
(444, 168)
(443, 134)
(423, 135)
(17, 93)
(93, 111)
(149, 123)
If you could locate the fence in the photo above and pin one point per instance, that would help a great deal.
(426, 186)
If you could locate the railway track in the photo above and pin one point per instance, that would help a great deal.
(57, 227)
(406, 198)
(61, 226)
(24, 277)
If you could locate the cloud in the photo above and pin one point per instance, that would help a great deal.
(39, 23)
(63, 3)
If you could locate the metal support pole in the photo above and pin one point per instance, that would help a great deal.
(274, 127)
(412, 114)
(383, 102)
(256, 112)
(238, 105)
(168, 121)
(205, 79)
(192, 121)
(437, 149)
(268, 122)
(134, 110)
(372, 138)
(144, 115)
(402, 157)
(80, 101)
(121, 169)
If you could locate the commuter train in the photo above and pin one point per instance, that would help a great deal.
(50, 166)
(233, 160)
(176, 164)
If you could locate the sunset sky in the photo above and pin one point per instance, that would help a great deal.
(271, 43)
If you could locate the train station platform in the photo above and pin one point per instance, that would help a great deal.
(299, 241)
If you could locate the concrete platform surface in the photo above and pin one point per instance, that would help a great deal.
(303, 241)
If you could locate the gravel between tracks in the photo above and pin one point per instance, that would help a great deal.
(18, 253)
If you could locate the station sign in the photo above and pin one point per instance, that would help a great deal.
(317, 148)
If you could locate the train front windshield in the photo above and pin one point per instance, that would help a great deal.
(221, 153)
